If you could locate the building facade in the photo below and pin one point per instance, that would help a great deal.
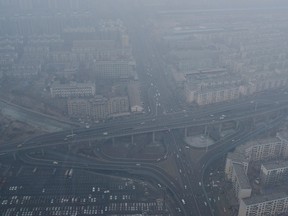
(272, 205)
(265, 149)
(72, 90)
(274, 172)
(98, 107)
(134, 95)
(240, 182)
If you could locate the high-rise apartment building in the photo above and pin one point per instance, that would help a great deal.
(265, 149)
(240, 182)
(235, 158)
(271, 204)
(274, 172)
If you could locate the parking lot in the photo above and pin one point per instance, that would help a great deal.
(32, 190)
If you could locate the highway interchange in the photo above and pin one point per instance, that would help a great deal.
(164, 114)
(187, 188)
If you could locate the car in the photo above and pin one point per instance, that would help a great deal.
(55, 162)
(105, 133)
(183, 201)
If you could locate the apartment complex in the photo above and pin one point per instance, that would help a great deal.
(271, 153)
(257, 56)
(257, 150)
(72, 89)
(212, 86)
(271, 204)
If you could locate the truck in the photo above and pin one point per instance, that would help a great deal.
(69, 173)
(69, 136)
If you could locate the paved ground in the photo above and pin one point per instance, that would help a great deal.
(200, 141)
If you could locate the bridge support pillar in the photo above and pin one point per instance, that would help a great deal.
(205, 131)
(153, 136)
(42, 151)
(132, 139)
(237, 124)
(253, 122)
(185, 132)
(14, 156)
(267, 118)
(220, 128)
(113, 141)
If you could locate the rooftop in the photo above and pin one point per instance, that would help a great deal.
(283, 134)
(241, 176)
(237, 157)
(275, 165)
(264, 198)
(72, 85)
(262, 142)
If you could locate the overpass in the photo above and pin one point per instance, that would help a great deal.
(234, 113)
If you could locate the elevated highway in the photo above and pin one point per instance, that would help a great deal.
(191, 173)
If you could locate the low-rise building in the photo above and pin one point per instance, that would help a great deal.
(98, 107)
(136, 104)
(78, 108)
(114, 69)
(72, 90)
(24, 70)
(118, 105)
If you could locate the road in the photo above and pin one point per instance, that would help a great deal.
(165, 112)
(46, 122)
(186, 193)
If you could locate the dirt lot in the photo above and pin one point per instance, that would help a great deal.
(13, 131)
